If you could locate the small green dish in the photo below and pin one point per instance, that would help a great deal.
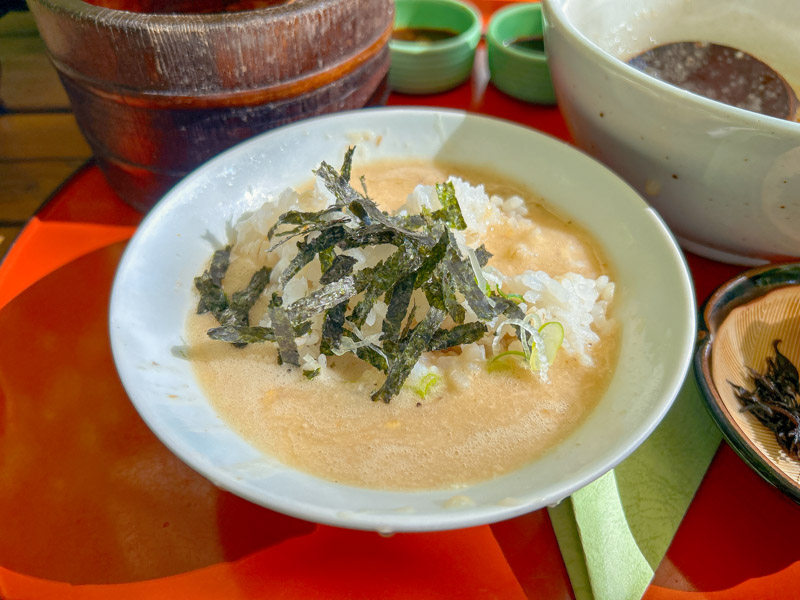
(429, 67)
(517, 60)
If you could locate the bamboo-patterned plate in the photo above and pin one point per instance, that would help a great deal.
(739, 323)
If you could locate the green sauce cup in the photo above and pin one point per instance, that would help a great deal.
(422, 66)
(517, 60)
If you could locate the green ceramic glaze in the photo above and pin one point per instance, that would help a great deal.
(431, 67)
(522, 73)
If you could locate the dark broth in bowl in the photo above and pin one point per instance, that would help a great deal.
(720, 73)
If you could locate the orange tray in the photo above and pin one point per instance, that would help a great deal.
(93, 506)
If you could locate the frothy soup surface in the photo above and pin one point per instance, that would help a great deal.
(472, 425)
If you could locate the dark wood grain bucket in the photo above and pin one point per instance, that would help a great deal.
(158, 94)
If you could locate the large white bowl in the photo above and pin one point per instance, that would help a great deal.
(152, 296)
(726, 180)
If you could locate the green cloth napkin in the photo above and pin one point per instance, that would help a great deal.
(614, 532)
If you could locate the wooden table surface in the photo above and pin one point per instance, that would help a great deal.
(40, 144)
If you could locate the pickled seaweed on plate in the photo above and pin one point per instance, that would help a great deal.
(773, 400)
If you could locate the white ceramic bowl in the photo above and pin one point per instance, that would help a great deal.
(726, 180)
(153, 293)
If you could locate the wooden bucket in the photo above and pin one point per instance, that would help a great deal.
(156, 95)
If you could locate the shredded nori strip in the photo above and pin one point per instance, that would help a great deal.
(303, 219)
(284, 332)
(242, 334)
(383, 277)
(219, 265)
(371, 235)
(464, 280)
(506, 306)
(371, 356)
(243, 300)
(340, 266)
(362, 207)
(370, 213)
(450, 211)
(336, 184)
(236, 310)
(457, 336)
(347, 165)
(451, 303)
(326, 258)
(209, 284)
(417, 344)
(433, 259)
(308, 250)
(483, 255)
(332, 327)
(412, 221)
(369, 353)
(410, 321)
(397, 305)
(310, 373)
(213, 298)
(246, 334)
(322, 299)
(433, 293)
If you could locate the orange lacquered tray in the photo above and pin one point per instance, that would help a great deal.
(93, 506)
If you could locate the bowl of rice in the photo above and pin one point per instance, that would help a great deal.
(355, 321)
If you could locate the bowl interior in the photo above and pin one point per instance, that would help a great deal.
(152, 295)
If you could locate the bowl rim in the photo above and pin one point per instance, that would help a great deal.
(494, 43)
(479, 514)
(738, 291)
(127, 19)
(554, 9)
(470, 36)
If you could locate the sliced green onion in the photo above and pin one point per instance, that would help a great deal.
(516, 298)
(528, 328)
(543, 353)
(553, 335)
(533, 319)
(539, 346)
(494, 365)
(426, 384)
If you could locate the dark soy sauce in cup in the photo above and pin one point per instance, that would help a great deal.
(424, 35)
(528, 43)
